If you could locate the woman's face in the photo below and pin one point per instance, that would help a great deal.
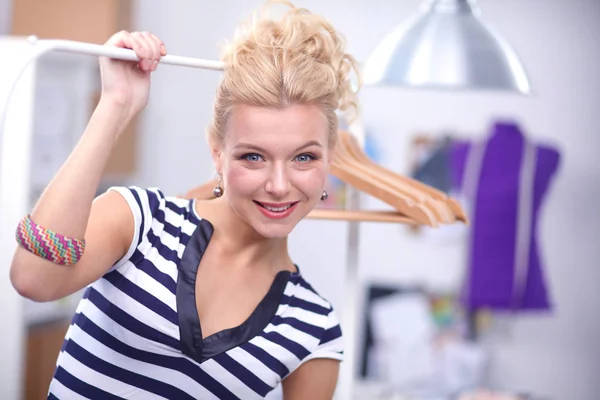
(273, 165)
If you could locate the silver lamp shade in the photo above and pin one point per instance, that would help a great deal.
(446, 46)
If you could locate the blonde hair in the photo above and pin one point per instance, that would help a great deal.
(298, 59)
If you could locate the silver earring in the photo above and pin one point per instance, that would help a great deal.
(324, 195)
(218, 190)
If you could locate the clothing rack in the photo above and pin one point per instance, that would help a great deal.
(414, 202)
(70, 46)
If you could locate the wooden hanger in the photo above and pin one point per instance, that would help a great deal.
(354, 173)
(414, 202)
(445, 208)
(404, 193)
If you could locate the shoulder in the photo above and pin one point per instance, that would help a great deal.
(303, 296)
(319, 318)
(141, 197)
(158, 218)
(162, 224)
(319, 346)
(307, 292)
(149, 203)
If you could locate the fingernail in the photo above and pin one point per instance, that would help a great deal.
(154, 65)
(163, 49)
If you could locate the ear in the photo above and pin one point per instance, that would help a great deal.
(217, 156)
(330, 159)
(331, 153)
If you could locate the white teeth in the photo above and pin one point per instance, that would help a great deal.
(278, 209)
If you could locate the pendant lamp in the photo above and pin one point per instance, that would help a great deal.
(446, 46)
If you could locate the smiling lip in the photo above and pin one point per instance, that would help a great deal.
(276, 210)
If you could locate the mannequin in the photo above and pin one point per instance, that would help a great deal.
(505, 178)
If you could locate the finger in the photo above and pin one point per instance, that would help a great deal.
(145, 54)
(127, 40)
(133, 42)
(117, 39)
(161, 45)
(155, 49)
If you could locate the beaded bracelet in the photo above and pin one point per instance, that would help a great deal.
(47, 244)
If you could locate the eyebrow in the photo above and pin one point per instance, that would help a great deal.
(258, 148)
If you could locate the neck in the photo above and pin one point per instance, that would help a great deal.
(237, 241)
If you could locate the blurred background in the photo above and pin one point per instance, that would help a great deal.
(440, 312)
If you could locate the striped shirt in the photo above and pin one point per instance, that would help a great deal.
(136, 332)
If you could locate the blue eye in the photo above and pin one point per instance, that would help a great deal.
(252, 157)
(303, 158)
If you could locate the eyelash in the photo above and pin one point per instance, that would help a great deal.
(311, 156)
(245, 156)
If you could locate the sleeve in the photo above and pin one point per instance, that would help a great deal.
(144, 205)
(331, 344)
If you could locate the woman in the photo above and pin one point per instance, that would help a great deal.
(188, 298)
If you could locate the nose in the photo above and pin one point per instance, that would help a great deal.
(278, 183)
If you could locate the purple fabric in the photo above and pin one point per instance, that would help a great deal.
(489, 281)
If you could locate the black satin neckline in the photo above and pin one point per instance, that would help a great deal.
(190, 329)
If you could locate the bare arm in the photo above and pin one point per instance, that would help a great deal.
(315, 380)
(67, 206)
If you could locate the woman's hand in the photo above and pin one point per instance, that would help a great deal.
(126, 84)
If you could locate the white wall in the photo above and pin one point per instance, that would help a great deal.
(554, 355)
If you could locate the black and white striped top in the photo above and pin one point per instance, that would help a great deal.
(136, 332)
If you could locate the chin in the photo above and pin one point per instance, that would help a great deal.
(273, 230)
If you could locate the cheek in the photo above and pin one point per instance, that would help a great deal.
(311, 181)
(241, 180)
